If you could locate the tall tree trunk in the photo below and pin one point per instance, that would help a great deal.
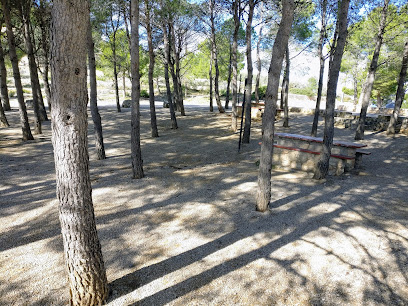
(166, 77)
(115, 73)
(215, 55)
(271, 98)
(124, 84)
(227, 94)
(3, 118)
(174, 65)
(93, 101)
(3, 81)
(321, 71)
(334, 68)
(47, 85)
(25, 12)
(211, 80)
(366, 93)
(400, 92)
(177, 56)
(153, 121)
(83, 254)
(258, 58)
(248, 83)
(285, 89)
(236, 9)
(137, 162)
(25, 126)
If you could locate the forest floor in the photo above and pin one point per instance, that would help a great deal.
(188, 233)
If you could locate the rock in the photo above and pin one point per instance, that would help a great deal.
(127, 103)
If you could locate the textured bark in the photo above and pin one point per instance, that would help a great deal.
(137, 162)
(93, 97)
(25, 126)
(153, 120)
(227, 94)
(3, 81)
(211, 80)
(166, 77)
(3, 118)
(400, 92)
(177, 56)
(271, 98)
(83, 255)
(248, 84)
(25, 12)
(215, 54)
(285, 89)
(236, 9)
(368, 87)
(334, 68)
(172, 57)
(115, 73)
(258, 58)
(321, 71)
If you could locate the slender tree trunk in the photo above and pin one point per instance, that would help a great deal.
(236, 9)
(16, 73)
(371, 73)
(25, 11)
(83, 254)
(177, 55)
(321, 72)
(258, 58)
(3, 118)
(355, 87)
(227, 94)
(124, 84)
(285, 89)
(153, 121)
(211, 81)
(400, 92)
(166, 77)
(215, 55)
(137, 162)
(174, 66)
(271, 98)
(47, 85)
(248, 86)
(115, 73)
(334, 68)
(93, 101)
(3, 81)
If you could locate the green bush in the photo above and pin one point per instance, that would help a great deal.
(261, 91)
(12, 93)
(302, 91)
(144, 93)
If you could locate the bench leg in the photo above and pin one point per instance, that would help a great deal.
(358, 160)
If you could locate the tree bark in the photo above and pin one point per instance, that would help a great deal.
(400, 92)
(177, 55)
(137, 162)
(3, 81)
(366, 93)
(271, 98)
(215, 54)
(211, 80)
(285, 89)
(172, 59)
(3, 118)
(93, 101)
(115, 73)
(166, 77)
(321, 72)
(248, 84)
(258, 58)
(83, 255)
(227, 94)
(25, 126)
(334, 68)
(25, 12)
(236, 15)
(153, 120)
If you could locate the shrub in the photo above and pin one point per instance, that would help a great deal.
(12, 93)
(144, 93)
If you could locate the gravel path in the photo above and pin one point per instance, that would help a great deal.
(187, 234)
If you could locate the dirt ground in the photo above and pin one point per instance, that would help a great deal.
(188, 234)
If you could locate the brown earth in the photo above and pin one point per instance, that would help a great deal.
(187, 234)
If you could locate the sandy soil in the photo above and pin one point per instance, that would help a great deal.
(187, 234)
